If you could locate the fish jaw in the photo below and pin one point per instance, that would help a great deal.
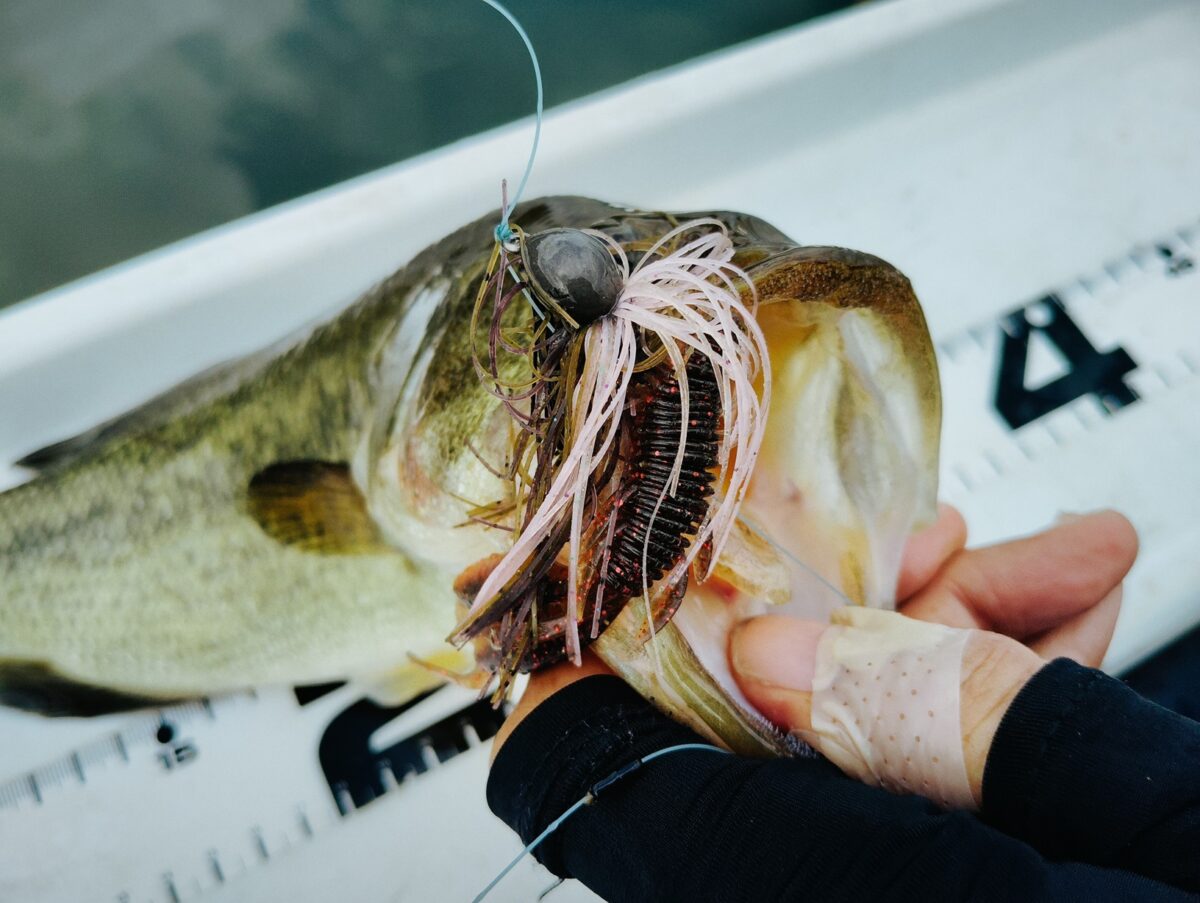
(847, 470)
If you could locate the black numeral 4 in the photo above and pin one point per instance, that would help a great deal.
(1091, 372)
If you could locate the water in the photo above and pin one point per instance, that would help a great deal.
(127, 124)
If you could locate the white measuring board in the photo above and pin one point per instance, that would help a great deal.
(1089, 396)
(1032, 166)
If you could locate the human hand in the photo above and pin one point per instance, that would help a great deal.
(1058, 591)
(1054, 594)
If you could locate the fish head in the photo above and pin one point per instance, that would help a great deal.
(436, 439)
(847, 467)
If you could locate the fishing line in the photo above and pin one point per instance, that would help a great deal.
(504, 232)
(796, 559)
(590, 797)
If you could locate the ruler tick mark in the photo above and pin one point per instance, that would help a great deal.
(345, 802)
(470, 734)
(78, 763)
(305, 824)
(429, 755)
(260, 844)
(387, 777)
(214, 862)
(120, 742)
(172, 890)
(35, 789)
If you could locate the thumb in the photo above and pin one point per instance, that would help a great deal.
(774, 660)
(849, 689)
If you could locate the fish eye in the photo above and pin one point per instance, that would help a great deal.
(575, 270)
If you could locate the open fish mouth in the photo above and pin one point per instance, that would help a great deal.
(847, 469)
(692, 508)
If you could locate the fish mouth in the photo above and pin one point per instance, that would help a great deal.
(642, 424)
(848, 467)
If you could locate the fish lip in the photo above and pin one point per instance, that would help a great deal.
(779, 256)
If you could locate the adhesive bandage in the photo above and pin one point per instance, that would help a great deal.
(885, 703)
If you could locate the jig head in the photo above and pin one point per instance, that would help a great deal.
(574, 272)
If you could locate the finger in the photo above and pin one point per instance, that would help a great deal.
(1028, 586)
(1086, 636)
(927, 551)
(773, 659)
(893, 702)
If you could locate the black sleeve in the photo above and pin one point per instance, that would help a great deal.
(701, 825)
(1084, 768)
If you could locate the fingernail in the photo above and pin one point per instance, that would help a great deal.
(777, 651)
(1070, 517)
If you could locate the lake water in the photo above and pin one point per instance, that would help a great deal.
(128, 124)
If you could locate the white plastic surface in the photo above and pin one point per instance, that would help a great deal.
(992, 150)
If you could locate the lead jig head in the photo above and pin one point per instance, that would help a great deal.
(574, 271)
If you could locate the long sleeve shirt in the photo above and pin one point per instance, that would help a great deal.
(1090, 792)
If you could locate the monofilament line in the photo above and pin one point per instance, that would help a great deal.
(795, 559)
(503, 232)
(588, 798)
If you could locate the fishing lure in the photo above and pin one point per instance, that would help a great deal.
(637, 380)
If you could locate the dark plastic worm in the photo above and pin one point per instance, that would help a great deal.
(616, 569)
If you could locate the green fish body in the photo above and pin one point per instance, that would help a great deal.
(300, 515)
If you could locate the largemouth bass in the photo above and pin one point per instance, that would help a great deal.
(301, 515)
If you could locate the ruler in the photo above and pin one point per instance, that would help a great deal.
(1088, 396)
(175, 804)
